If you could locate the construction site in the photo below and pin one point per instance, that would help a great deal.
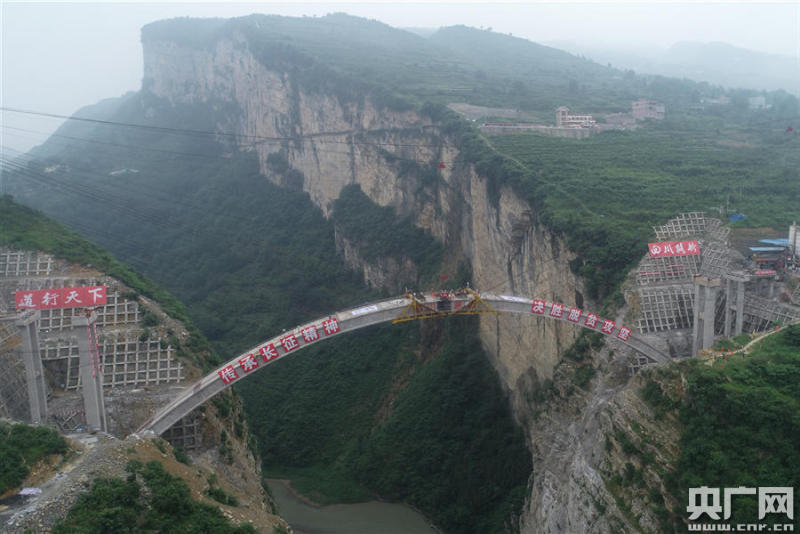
(113, 367)
(105, 368)
(686, 303)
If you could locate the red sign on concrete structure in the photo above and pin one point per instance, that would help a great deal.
(289, 343)
(331, 326)
(268, 352)
(624, 333)
(61, 297)
(228, 374)
(765, 272)
(248, 363)
(666, 249)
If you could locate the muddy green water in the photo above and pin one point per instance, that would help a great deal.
(363, 518)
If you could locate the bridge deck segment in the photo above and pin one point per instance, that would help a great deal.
(396, 310)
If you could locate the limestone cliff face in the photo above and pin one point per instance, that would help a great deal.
(601, 452)
(335, 143)
(345, 142)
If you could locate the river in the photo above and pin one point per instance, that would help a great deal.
(362, 518)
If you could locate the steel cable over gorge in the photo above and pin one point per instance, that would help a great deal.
(409, 307)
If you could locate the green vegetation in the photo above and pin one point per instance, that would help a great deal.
(741, 424)
(251, 259)
(408, 412)
(221, 497)
(606, 192)
(21, 446)
(181, 456)
(378, 233)
(732, 344)
(22, 228)
(124, 506)
(349, 57)
(655, 397)
(339, 422)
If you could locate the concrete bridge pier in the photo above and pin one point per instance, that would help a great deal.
(32, 357)
(734, 304)
(705, 303)
(91, 372)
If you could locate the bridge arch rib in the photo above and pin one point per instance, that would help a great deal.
(405, 308)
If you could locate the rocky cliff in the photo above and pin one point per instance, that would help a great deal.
(334, 142)
(320, 142)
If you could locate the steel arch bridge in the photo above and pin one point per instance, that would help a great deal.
(409, 307)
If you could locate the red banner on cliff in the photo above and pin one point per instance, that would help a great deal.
(61, 297)
(666, 249)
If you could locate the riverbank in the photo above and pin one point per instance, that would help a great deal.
(308, 517)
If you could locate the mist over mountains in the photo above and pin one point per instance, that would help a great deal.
(272, 169)
(714, 62)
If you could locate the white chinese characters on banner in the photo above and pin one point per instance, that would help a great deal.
(574, 315)
(268, 352)
(310, 334)
(608, 326)
(666, 249)
(624, 333)
(330, 326)
(248, 363)
(289, 343)
(228, 374)
(64, 297)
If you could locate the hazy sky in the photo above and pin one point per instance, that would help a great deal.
(58, 57)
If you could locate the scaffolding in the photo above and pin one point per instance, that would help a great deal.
(127, 361)
(667, 286)
(68, 420)
(15, 263)
(444, 305)
(8, 338)
(716, 260)
(14, 402)
(716, 232)
(761, 313)
(53, 282)
(185, 433)
(666, 308)
(683, 225)
(117, 311)
(653, 271)
(636, 361)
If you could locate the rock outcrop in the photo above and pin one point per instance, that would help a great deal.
(328, 143)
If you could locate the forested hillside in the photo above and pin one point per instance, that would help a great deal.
(608, 191)
(739, 424)
(343, 55)
(415, 412)
(211, 229)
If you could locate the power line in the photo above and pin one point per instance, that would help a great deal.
(109, 143)
(315, 148)
(213, 134)
(171, 200)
